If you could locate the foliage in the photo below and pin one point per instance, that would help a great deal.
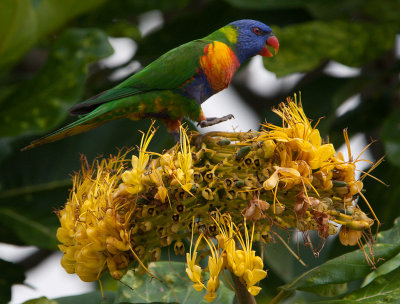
(48, 61)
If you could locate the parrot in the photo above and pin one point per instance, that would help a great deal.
(176, 84)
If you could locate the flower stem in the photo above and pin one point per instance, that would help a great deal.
(243, 296)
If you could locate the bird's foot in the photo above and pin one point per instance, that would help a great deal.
(210, 121)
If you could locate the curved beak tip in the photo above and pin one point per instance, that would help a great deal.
(273, 42)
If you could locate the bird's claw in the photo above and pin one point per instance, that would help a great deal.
(210, 121)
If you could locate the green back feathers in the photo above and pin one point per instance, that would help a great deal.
(183, 61)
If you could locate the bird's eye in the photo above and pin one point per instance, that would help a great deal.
(257, 31)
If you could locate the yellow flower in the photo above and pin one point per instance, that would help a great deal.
(93, 224)
(192, 270)
(185, 171)
(215, 263)
(246, 264)
(116, 215)
(226, 236)
(242, 263)
(299, 136)
(156, 177)
(349, 237)
(133, 180)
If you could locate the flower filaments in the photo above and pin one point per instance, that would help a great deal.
(94, 228)
(122, 213)
(134, 179)
(185, 171)
(192, 270)
(215, 263)
(244, 263)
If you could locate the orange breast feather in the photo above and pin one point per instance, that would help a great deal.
(219, 64)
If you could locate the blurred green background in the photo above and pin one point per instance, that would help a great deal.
(49, 60)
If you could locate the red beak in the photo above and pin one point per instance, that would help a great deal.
(272, 42)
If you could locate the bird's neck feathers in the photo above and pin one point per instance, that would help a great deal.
(227, 34)
(230, 35)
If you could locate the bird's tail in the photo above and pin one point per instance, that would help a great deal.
(83, 124)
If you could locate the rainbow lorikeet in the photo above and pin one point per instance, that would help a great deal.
(177, 83)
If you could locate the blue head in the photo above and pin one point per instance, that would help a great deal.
(252, 39)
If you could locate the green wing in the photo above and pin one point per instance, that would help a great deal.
(167, 72)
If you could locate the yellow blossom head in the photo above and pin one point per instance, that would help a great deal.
(227, 189)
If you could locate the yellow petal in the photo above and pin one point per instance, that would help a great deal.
(187, 187)
(254, 290)
(315, 138)
(135, 161)
(289, 172)
(272, 181)
(198, 286)
(210, 296)
(258, 263)
(257, 275)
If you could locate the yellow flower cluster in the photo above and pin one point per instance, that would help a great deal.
(121, 213)
(242, 263)
(94, 228)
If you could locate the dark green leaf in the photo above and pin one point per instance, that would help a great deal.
(391, 236)
(87, 298)
(391, 137)
(329, 9)
(174, 288)
(10, 274)
(385, 289)
(305, 46)
(332, 277)
(266, 4)
(41, 300)
(279, 259)
(387, 267)
(346, 268)
(23, 23)
(32, 232)
(384, 200)
(41, 103)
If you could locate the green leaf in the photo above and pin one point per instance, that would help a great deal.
(10, 274)
(30, 231)
(345, 268)
(391, 236)
(385, 200)
(332, 277)
(174, 288)
(387, 267)
(41, 103)
(87, 298)
(391, 137)
(306, 45)
(24, 22)
(329, 9)
(41, 300)
(385, 289)
(266, 4)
